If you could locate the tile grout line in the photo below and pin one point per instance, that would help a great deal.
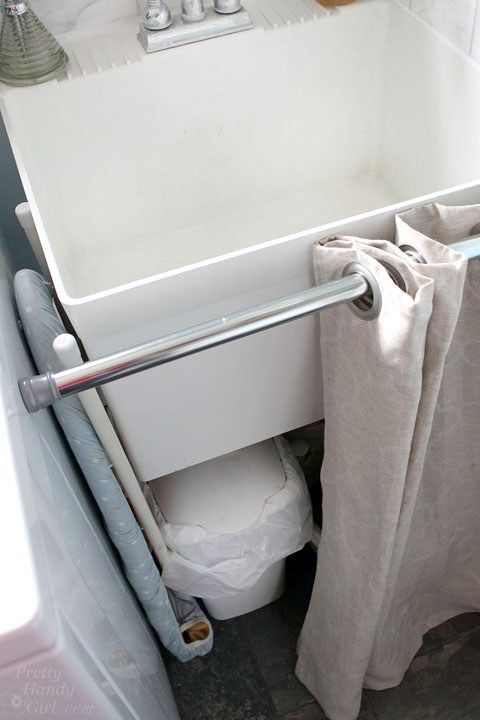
(457, 638)
(256, 665)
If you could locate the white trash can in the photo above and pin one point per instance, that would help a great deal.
(230, 523)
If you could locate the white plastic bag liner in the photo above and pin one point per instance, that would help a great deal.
(213, 565)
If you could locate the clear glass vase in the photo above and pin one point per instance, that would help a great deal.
(29, 54)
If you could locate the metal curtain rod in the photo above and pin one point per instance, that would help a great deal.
(357, 287)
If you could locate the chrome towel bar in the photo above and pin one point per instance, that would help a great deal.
(42, 390)
(357, 287)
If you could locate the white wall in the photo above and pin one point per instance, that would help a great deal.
(475, 48)
(67, 15)
(458, 20)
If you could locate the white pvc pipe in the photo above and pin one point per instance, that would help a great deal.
(68, 353)
(25, 218)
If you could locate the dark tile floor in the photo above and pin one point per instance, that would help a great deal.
(250, 673)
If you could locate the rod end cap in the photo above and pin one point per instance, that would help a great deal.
(38, 392)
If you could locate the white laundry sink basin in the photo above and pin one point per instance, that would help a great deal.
(192, 183)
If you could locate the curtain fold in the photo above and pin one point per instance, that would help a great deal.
(399, 551)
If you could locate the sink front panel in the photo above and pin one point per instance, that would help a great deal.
(228, 397)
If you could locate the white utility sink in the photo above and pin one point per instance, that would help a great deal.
(193, 182)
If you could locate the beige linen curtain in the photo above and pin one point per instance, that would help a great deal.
(400, 546)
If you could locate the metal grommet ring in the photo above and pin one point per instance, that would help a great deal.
(394, 276)
(369, 305)
(413, 253)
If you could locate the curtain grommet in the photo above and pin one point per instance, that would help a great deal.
(369, 305)
(413, 254)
